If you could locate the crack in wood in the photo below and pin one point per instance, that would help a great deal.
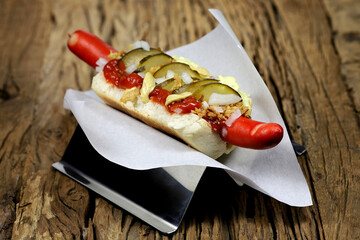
(10, 88)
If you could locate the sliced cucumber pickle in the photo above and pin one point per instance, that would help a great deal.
(134, 56)
(204, 92)
(193, 86)
(154, 60)
(168, 84)
(178, 68)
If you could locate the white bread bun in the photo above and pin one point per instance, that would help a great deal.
(190, 128)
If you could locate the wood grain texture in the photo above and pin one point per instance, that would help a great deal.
(307, 53)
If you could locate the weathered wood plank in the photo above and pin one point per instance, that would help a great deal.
(344, 20)
(51, 206)
(306, 52)
(36, 128)
(18, 93)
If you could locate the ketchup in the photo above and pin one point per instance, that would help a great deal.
(159, 95)
(216, 126)
(114, 72)
(185, 105)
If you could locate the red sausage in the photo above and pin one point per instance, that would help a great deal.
(248, 133)
(88, 47)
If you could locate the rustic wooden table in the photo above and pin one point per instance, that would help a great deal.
(308, 53)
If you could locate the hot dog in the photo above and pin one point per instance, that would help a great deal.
(176, 96)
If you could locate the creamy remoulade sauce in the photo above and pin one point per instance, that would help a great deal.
(114, 72)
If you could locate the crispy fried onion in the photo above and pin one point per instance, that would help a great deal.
(214, 113)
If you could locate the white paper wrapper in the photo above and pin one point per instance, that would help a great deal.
(130, 143)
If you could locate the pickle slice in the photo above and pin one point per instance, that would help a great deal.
(168, 84)
(154, 60)
(178, 68)
(204, 91)
(134, 56)
(171, 84)
(194, 86)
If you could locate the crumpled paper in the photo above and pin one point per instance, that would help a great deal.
(131, 143)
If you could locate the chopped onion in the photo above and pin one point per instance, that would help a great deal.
(205, 104)
(169, 74)
(177, 110)
(131, 68)
(141, 74)
(98, 69)
(223, 132)
(142, 44)
(233, 117)
(186, 77)
(160, 80)
(101, 62)
(218, 109)
(223, 99)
